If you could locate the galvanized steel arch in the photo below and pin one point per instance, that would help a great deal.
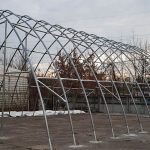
(82, 42)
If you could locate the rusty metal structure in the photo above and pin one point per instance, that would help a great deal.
(37, 44)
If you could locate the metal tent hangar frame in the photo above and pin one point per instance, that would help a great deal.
(66, 62)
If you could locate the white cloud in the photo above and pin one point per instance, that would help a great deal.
(104, 18)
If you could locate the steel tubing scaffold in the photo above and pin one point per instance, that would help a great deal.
(113, 70)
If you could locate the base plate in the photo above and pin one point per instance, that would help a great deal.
(130, 135)
(143, 132)
(76, 146)
(95, 142)
(4, 138)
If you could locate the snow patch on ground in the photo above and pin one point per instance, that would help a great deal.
(39, 113)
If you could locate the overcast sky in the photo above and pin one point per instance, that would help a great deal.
(114, 19)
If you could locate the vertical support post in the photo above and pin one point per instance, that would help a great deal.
(43, 106)
(4, 71)
(9, 94)
(25, 53)
(40, 96)
(25, 58)
(99, 101)
(128, 105)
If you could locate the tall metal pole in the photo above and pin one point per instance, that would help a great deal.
(4, 70)
(41, 98)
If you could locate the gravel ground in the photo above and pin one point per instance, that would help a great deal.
(29, 133)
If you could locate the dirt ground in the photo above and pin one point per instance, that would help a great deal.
(29, 133)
